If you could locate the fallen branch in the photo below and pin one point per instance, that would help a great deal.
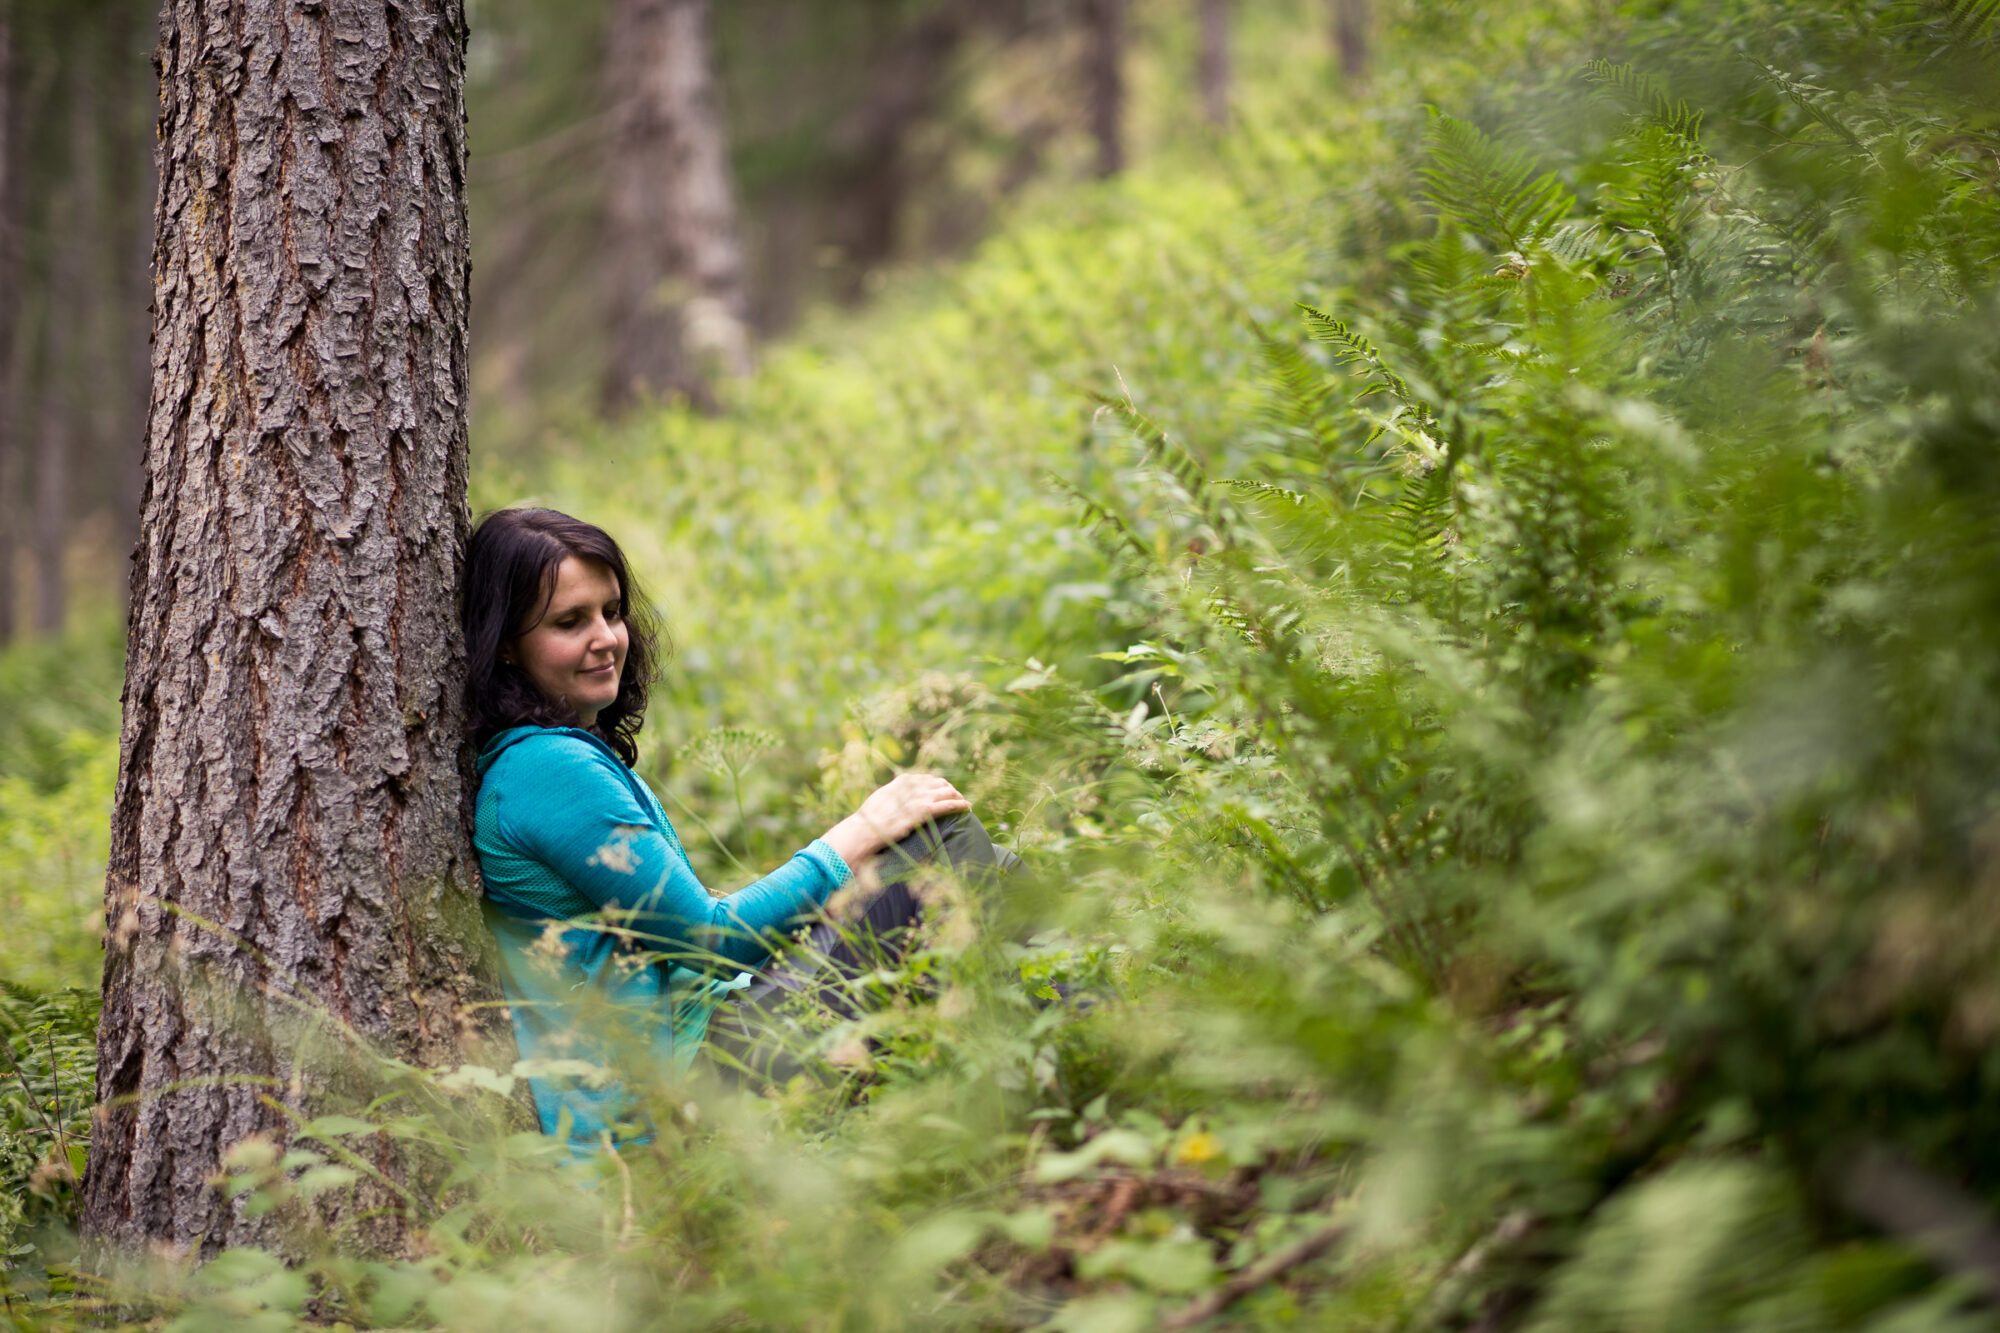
(1266, 1270)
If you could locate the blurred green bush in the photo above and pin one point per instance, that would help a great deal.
(1509, 743)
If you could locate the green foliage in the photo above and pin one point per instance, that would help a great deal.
(58, 763)
(47, 1077)
(1500, 697)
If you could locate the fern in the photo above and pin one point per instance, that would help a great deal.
(1354, 350)
(1647, 100)
(1179, 463)
(1114, 536)
(1492, 191)
(1817, 102)
(1302, 397)
(1966, 21)
(1422, 517)
(1298, 525)
(1577, 243)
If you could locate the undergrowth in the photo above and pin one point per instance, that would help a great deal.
(1482, 619)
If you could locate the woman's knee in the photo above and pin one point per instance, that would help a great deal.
(958, 840)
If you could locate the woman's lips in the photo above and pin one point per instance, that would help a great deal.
(604, 670)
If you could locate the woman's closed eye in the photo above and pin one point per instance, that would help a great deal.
(575, 619)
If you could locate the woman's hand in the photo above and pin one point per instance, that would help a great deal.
(892, 812)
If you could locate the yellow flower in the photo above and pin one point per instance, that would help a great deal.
(1198, 1148)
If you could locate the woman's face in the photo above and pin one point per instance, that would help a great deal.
(576, 651)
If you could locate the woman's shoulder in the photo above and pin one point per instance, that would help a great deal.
(524, 753)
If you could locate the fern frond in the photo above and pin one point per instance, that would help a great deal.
(1179, 463)
(1355, 351)
(1300, 397)
(1264, 490)
(1653, 198)
(1161, 447)
(1646, 99)
(1447, 267)
(1297, 525)
(1966, 21)
(1422, 515)
(1114, 536)
(1815, 101)
(1493, 191)
(1304, 386)
(1576, 244)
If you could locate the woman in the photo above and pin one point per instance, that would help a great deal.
(589, 893)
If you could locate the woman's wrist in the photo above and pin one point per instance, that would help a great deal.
(853, 840)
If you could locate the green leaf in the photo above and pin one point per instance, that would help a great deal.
(320, 1179)
(336, 1126)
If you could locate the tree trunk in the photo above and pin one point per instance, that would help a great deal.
(65, 409)
(678, 316)
(290, 884)
(1104, 81)
(10, 306)
(1353, 22)
(1215, 61)
(54, 438)
(870, 166)
(129, 322)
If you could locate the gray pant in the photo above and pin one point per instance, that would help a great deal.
(748, 1041)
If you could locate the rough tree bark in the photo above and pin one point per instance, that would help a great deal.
(10, 304)
(1104, 81)
(290, 876)
(678, 315)
(1215, 61)
(1353, 23)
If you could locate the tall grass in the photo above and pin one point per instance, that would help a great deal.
(1483, 620)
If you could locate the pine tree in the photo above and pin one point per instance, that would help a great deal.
(289, 894)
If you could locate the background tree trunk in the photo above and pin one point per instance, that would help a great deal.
(1104, 81)
(290, 872)
(678, 314)
(10, 307)
(130, 223)
(1215, 61)
(61, 431)
(1353, 33)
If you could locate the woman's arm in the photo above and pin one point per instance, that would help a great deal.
(583, 821)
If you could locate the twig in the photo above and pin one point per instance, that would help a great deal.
(1268, 1269)
(629, 1222)
(1451, 1289)
(55, 1087)
(27, 1088)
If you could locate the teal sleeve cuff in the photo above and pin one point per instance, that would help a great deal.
(821, 853)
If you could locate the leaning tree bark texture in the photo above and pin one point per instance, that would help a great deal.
(1104, 79)
(289, 874)
(61, 432)
(1353, 23)
(130, 222)
(678, 313)
(1215, 61)
(10, 303)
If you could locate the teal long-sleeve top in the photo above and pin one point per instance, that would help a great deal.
(601, 922)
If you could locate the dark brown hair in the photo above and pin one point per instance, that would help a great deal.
(510, 578)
